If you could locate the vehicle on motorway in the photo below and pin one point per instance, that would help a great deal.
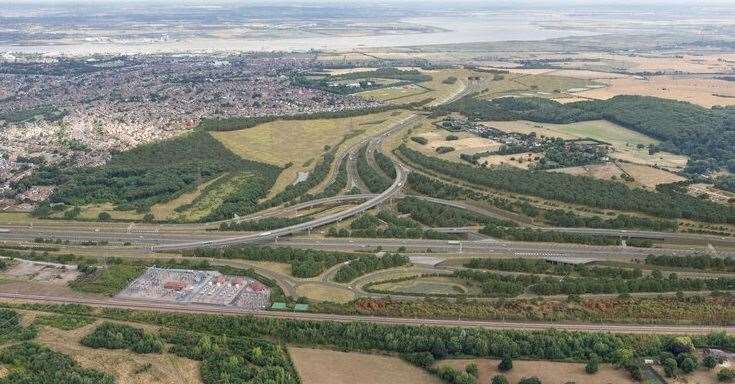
(453, 242)
(264, 234)
(4, 230)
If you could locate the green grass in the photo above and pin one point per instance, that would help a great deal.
(107, 281)
(64, 322)
(211, 197)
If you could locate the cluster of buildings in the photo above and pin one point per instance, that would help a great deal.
(198, 287)
(79, 111)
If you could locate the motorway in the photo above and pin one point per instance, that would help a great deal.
(514, 325)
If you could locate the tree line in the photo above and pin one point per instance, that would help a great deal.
(441, 342)
(533, 234)
(579, 190)
(368, 263)
(238, 123)
(495, 284)
(703, 262)
(304, 263)
(563, 218)
(374, 181)
(439, 215)
(690, 309)
(539, 266)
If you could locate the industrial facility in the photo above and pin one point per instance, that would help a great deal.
(198, 287)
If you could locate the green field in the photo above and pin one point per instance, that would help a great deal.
(301, 142)
(434, 285)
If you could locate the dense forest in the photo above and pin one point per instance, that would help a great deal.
(375, 181)
(151, 173)
(579, 190)
(707, 136)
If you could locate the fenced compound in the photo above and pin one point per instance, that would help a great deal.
(200, 287)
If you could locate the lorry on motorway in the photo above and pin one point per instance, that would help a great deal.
(453, 242)
(4, 230)
(264, 234)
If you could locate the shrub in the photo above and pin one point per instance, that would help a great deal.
(441, 150)
(499, 379)
(530, 380)
(420, 140)
(506, 364)
(472, 369)
(709, 361)
(592, 367)
(670, 366)
(726, 375)
(104, 216)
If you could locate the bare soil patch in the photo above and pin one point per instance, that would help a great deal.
(549, 372)
(25, 270)
(320, 366)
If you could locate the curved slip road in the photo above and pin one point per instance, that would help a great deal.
(400, 180)
(514, 325)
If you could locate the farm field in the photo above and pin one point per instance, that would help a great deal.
(320, 366)
(706, 92)
(301, 142)
(623, 140)
(643, 175)
(165, 368)
(321, 292)
(548, 372)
